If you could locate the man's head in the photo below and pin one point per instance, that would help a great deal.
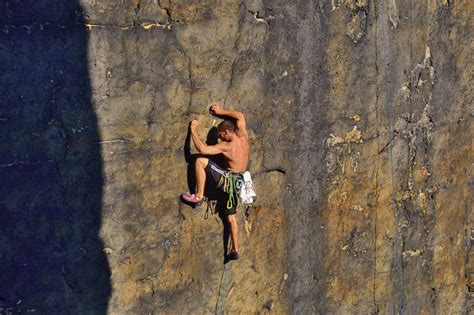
(225, 130)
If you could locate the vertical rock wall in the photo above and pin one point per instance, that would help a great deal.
(51, 254)
(360, 126)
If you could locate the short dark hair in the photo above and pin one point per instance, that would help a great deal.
(226, 125)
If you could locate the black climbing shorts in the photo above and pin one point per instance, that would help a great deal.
(215, 177)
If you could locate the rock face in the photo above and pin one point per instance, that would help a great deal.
(360, 123)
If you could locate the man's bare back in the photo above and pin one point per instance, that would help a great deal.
(234, 146)
(237, 153)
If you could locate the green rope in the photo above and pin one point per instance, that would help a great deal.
(229, 183)
(231, 190)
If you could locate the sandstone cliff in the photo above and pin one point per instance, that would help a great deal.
(360, 117)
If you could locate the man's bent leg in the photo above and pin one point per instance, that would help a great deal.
(234, 232)
(200, 171)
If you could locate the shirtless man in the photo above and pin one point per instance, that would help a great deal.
(234, 147)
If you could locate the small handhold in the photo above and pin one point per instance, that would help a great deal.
(108, 250)
(356, 117)
(269, 305)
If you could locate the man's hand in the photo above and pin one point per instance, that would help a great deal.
(194, 124)
(215, 109)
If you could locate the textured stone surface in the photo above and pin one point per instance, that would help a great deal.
(51, 255)
(360, 122)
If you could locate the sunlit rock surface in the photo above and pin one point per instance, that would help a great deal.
(360, 121)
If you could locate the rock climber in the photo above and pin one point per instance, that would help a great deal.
(234, 147)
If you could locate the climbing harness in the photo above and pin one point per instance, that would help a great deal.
(239, 186)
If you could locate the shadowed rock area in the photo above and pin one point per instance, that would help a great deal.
(52, 259)
(360, 121)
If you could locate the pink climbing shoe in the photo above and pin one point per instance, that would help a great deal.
(191, 200)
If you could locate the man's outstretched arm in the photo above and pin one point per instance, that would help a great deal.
(217, 110)
(201, 146)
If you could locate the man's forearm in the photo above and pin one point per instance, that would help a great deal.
(231, 113)
(197, 141)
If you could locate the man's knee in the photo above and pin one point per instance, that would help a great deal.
(231, 218)
(202, 162)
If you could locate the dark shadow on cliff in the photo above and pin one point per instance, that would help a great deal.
(52, 259)
(218, 202)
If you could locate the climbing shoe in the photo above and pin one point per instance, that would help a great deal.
(191, 200)
(233, 255)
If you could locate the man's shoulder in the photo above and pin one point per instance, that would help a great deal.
(224, 144)
(242, 134)
(240, 140)
(245, 138)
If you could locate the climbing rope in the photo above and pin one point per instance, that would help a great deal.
(220, 304)
(398, 259)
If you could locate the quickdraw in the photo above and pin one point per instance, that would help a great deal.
(232, 184)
